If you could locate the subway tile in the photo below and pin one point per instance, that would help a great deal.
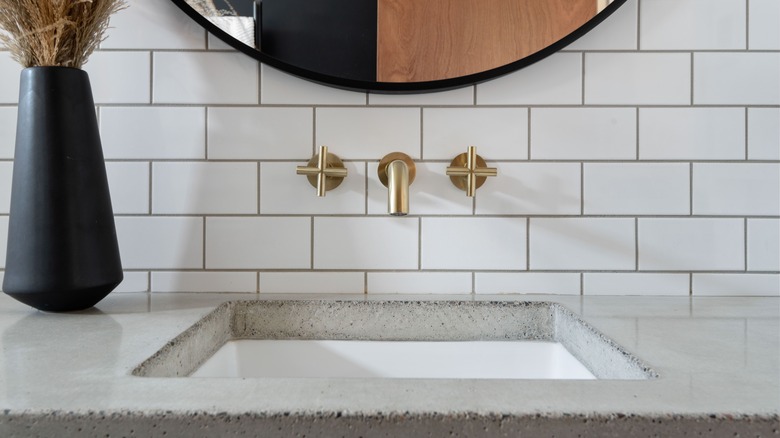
(763, 244)
(692, 25)
(260, 133)
(160, 242)
(474, 243)
(205, 78)
(583, 133)
(528, 283)
(736, 285)
(258, 243)
(312, 282)
(736, 78)
(214, 43)
(637, 78)
(555, 80)
(764, 133)
(282, 191)
(204, 282)
(119, 77)
(129, 187)
(498, 133)
(635, 284)
(133, 282)
(153, 132)
(431, 192)
(459, 96)
(10, 72)
(419, 283)
(581, 243)
(691, 244)
(7, 132)
(764, 33)
(204, 188)
(617, 32)
(736, 189)
(531, 188)
(636, 188)
(365, 243)
(152, 24)
(369, 133)
(691, 133)
(278, 87)
(6, 175)
(3, 239)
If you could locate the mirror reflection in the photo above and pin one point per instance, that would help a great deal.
(400, 41)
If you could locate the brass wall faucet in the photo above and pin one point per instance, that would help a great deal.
(468, 171)
(397, 171)
(325, 171)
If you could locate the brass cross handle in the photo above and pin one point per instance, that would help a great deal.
(468, 171)
(325, 171)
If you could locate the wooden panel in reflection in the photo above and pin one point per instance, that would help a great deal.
(425, 40)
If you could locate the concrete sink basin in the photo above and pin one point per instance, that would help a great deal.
(393, 339)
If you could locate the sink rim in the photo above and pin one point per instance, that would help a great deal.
(241, 319)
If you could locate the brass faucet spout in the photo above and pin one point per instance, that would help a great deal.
(398, 188)
(397, 171)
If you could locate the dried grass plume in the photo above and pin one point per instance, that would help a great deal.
(54, 32)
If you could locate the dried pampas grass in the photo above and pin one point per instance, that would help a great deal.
(208, 8)
(54, 32)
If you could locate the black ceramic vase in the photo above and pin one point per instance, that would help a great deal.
(62, 249)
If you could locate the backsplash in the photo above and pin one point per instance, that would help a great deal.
(642, 159)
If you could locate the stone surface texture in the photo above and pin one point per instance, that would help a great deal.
(70, 375)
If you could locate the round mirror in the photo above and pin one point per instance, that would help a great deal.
(398, 46)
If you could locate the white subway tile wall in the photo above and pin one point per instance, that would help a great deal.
(643, 159)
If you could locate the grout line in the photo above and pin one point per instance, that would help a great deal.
(313, 131)
(690, 189)
(582, 283)
(528, 244)
(690, 283)
(259, 84)
(311, 241)
(473, 283)
(257, 283)
(419, 243)
(474, 96)
(422, 127)
(638, 25)
(149, 282)
(747, 24)
(739, 271)
(528, 135)
(365, 282)
(582, 79)
(365, 188)
(203, 224)
(636, 244)
(637, 133)
(746, 243)
(258, 186)
(582, 189)
(151, 173)
(206, 133)
(691, 79)
(151, 78)
(747, 138)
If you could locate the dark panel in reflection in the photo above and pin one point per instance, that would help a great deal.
(332, 37)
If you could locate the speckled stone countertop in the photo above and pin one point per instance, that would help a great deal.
(718, 361)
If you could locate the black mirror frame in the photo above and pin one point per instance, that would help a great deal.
(399, 87)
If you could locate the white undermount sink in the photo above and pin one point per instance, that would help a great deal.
(392, 339)
(394, 359)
